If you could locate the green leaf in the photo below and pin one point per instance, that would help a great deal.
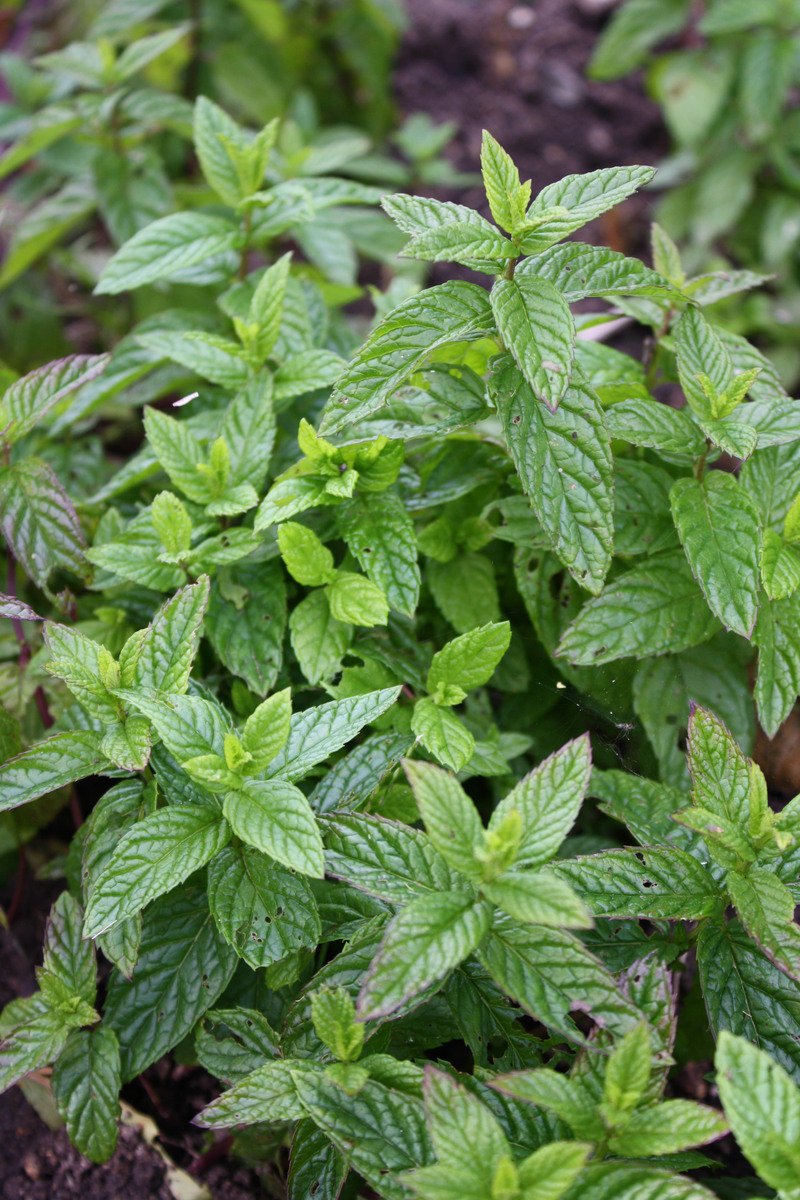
(334, 1015)
(538, 898)
(565, 1095)
(205, 354)
(220, 144)
(39, 522)
(445, 232)
(651, 882)
(317, 733)
(178, 453)
(267, 1094)
(465, 591)
(721, 780)
(543, 970)
(746, 994)
(262, 910)
(469, 661)
(307, 560)
(155, 856)
(622, 1181)
(80, 663)
(380, 534)
(548, 800)
(165, 249)
(318, 640)
(424, 942)
(384, 858)
(398, 347)
(466, 1135)
(719, 529)
(380, 1131)
(780, 566)
(442, 733)
(765, 907)
(763, 1106)
(578, 199)
(536, 325)
(161, 658)
(632, 31)
(656, 426)
(564, 462)
(668, 1128)
(356, 600)
(449, 816)
(508, 198)
(248, 430)
(275, 817)
(28, 400)
(316, 1170)
(33, 1041)
(189, 726)
(183, 967)
(51, 764)
(86, 1083)
(701, 354)
(778, 679)
(48, 125)
(579, 271)
(654, 608)
(246, 627)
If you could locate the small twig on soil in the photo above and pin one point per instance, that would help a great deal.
(218, 1150)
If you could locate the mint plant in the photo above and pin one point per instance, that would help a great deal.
(320, 648)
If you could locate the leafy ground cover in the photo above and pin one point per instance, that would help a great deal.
(397, 667)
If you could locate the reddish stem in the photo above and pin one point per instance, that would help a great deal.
(219, 1149)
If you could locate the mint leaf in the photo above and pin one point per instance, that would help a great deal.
(654, 608)
(86, 1083)
(155, 856)
(564, 462)
(165, 249)
(399, 346)
(275, 817)
(719, 530)
(424, 942)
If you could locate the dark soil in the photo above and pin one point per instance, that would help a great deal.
(516, 69)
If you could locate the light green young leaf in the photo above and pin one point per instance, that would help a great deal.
(266, 730)
(356, 600)
(306, 558)
(318, 640)
(508, 198)
(442, 733)
(668, 1128)
(469, 661)
(334, 1016)
(539, 898)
